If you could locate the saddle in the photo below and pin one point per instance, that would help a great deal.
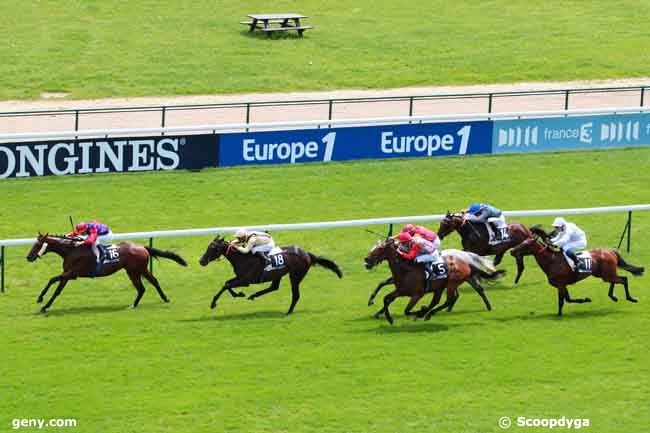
(497, 235)
(108, 255)
(584, 264)
(435, 271)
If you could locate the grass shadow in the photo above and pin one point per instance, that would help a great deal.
(258, 34)
(96, 309)
(567, 315)
(253, 315)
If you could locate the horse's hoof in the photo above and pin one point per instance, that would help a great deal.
(251, 298)
(39, 300)
(613, 298)
(514, 285)
(587, 299)
(213, 305)
(371, 303)
(240, 294)
(631, 299)
(43, 310)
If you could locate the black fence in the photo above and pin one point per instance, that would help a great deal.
(339, 108)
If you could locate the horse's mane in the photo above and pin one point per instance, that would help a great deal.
(539, 231)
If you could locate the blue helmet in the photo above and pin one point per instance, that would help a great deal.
(474, 207)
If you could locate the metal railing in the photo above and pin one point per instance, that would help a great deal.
(490, 101)
(341, 224)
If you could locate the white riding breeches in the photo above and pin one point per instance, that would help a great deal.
(499, 222)
(427, 258)
(580, 244)
(103, 239)
(266, 248)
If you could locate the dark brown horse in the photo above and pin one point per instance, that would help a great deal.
(249, 269)
(80, 262)
(475, 238)
(604, 262)
(409, 278)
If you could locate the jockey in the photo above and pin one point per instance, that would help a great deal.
(429, 235)
(260, 243)
(569, 238)
(485, 213)
(94, 233)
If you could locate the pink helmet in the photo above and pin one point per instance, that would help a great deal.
(81, 227)
(404, 237)
(408, 228)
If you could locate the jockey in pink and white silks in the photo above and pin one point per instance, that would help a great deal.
(94, 233)
(569, 238)
(428, 250)
(260, 243)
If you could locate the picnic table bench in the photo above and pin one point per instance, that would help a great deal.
(263, 22)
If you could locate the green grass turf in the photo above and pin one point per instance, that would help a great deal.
(329, 367)
(113, 48)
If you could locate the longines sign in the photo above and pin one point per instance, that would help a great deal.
(107, 155)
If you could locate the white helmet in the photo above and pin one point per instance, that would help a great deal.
(559, 222)
(241, 233)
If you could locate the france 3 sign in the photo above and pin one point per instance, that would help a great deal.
(344, 144)
(567, 133)
(107, 155)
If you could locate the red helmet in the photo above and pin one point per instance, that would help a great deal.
(404, 237)
(81, 227)
(408, 228)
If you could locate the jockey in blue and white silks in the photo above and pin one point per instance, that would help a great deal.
(485, 213)
(569, 238)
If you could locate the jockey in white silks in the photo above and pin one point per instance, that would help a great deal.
(569, 238)
(260, 243)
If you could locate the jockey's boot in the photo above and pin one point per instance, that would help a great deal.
(574, 258)
(267, 260)
(95, 249)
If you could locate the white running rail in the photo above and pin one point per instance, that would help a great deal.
(348, 223)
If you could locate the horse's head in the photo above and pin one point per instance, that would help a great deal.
(530, 246)
(379, 252)
(39, 248)
(449, 224)
(217, 248)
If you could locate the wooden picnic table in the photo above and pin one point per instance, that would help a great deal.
(288, 21)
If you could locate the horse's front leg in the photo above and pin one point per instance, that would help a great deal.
(52, 281)
(275, 284)
(387, 282)
(228, 285)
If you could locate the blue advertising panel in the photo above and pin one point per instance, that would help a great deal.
(46, 158)
(567, 133)
(342, 144)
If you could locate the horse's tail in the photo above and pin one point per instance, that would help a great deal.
(634, 270)
(326, 263)
(483, 266)
(153, 252)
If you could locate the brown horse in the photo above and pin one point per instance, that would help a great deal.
(80, 262)
(604, 262)
(475, 238)
(410, 280)
(249, 269)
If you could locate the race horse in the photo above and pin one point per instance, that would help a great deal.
(249, 269)
(410, 280)
(80, 262)
(475, 238)
(603, 263)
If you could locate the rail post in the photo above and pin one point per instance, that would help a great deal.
(642, 95)
(2, 269)
(162, 117)
(566, 99)
(248, 115)
(410, 108)
(330, 111)
(627, 230)
(76, 120)
(490, 97)
(151, 257)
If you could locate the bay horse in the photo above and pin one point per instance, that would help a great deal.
(410, 280)
(560, 275)
(475, 238)
(249, 269)
(80, 261)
